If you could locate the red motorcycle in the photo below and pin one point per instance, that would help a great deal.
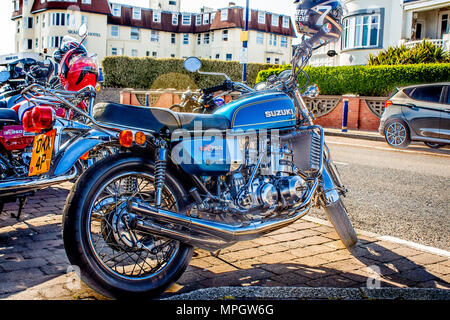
(36, 133)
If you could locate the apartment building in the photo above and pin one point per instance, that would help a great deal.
(373, 26)
(159, 31)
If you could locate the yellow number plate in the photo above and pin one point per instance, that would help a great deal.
(42, 153)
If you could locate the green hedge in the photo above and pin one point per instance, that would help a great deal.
(368, 80)
(140, 73)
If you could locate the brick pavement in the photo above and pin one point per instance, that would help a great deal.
(33, 264)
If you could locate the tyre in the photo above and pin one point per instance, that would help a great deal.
(113, 259)
(397, 134)
(434, 145)
(337, 215)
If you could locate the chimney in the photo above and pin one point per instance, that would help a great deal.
(232, 4)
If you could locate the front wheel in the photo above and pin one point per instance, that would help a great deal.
(337, 214)
(114, 259)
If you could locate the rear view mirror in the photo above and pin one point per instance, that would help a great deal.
(192, 64)
(82, 31)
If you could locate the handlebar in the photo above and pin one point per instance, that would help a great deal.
(226, 86)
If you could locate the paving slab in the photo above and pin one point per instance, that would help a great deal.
(304, 261)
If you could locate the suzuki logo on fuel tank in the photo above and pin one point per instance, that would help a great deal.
(279, 113)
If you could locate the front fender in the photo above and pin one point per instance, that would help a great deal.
(67, 157)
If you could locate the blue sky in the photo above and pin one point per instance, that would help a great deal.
(281, 7)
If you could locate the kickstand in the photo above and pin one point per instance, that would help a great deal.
(22, 202)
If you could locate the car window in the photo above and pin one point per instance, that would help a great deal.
(428, 94)
(408, 91)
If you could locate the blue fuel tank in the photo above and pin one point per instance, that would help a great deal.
(260, 110)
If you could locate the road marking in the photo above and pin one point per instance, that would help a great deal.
(388, 149)
(407, 243)
(416, 246)
(341, 163)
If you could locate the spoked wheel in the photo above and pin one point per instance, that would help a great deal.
(114, 259)
(397, 134)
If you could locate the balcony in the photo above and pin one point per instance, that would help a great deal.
(444, 43)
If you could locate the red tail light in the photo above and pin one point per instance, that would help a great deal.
(388, 104)
(40, 118)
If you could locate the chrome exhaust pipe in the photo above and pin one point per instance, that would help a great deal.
(210, 235)
(12, 187)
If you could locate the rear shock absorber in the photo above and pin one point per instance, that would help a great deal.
(160, 172)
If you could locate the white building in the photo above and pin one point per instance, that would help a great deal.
(160, 31)
(372, 26)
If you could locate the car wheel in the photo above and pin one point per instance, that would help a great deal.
(434, 145)
(397, 134)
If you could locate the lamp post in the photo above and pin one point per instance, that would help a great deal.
(245, 43)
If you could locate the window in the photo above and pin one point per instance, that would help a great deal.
(268, 60)
(213, 16)
(284, 42)
(273, 40)
(275, 20)
(206, 38)
(116, 11)
(134, 34)
(186, 38)
(206, 18)
(277, 61)
(28, 44)
(286, 22)
(29, 23)
(225, 35)
(137, 13)
(173, 38)
(154, 54)
(62, 19)
(115, 31)
(428, 93)
(156, 16)
(114, 51)
(172, 3)
(36, 43)
(134, 53)
(260, 38)
(224, 15)
(361, 32)
(229, 57)
(198, 19)
(86, 1)
(244, 14)
(55, 42)
(199, 39)
(84, 20)
(218, 56)
(155, 36)
(186, 19)
(261, 17)
(175, 19)
(16, 5)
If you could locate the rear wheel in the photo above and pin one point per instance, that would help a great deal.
(397, 134)
(337, 214)
(114, 259)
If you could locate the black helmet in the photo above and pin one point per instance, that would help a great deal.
(320, 19)
(68, 43)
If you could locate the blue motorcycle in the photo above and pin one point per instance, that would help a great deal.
(185, 180)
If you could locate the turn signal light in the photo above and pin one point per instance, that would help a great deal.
(140, 138)
(126, 138)
(388, 104)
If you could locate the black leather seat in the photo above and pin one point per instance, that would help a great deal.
(8, 116)
(155, 119)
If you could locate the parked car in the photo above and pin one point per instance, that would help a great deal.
(418, 113)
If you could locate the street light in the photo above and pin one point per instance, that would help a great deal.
(245, 43)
